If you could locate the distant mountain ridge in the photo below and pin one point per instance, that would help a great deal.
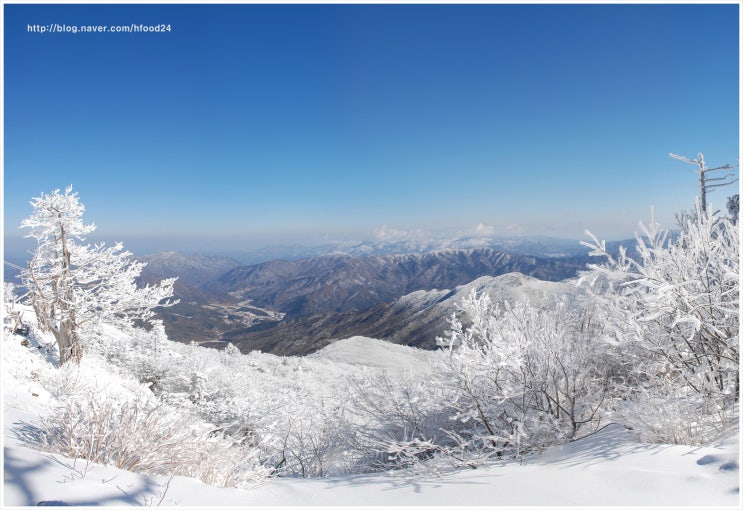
(297, 306)
(192, 269)
(389, 289)
(343, 284)
(415, 319)
(538, 246)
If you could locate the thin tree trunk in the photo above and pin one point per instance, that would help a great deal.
(67, 338)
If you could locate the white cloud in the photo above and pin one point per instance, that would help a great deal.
(516, 229)
(483, 230)
(385, 233)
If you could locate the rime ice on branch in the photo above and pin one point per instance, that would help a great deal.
(74, 285)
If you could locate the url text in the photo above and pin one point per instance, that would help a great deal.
(56, 28)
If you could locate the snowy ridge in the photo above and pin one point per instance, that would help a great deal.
(421, 316)
(376, 354)
(511, 287)
(539, 246)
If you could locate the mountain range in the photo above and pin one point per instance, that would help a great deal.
(538, 246)
(414, 319)
(307, 297)
(295, 307)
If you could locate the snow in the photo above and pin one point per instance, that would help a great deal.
(608, 468)
(374, 354)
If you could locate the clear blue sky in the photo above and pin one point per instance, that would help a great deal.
(264, 122)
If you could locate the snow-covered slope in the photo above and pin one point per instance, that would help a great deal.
(606, 469)
(375, 354)
(420, 317)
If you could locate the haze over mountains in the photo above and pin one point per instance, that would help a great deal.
(390, 244)
(402, 292)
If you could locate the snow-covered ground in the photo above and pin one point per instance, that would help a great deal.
(376, 355)
(608, 468)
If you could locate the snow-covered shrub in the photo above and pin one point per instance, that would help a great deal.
(663, 414)
(142, 435)
(67, 382)
(231, 354)
(402, 420)
(676, 309)
(172, 371)
(312, 444)
(298, 415)
(527, 377)
(262, 402)
(13, 316)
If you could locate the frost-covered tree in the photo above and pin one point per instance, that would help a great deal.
(528, 376)
(733, 206)
(677, 313)
(73, 285)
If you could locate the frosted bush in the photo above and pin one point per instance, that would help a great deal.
(141, 435)
(527, 377)
(65, 382)
(12, 318)
(681, 417)
(676, 316)
(400, 421)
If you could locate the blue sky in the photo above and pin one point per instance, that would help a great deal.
(298, 122)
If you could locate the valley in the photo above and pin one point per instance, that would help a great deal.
(296, 307)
